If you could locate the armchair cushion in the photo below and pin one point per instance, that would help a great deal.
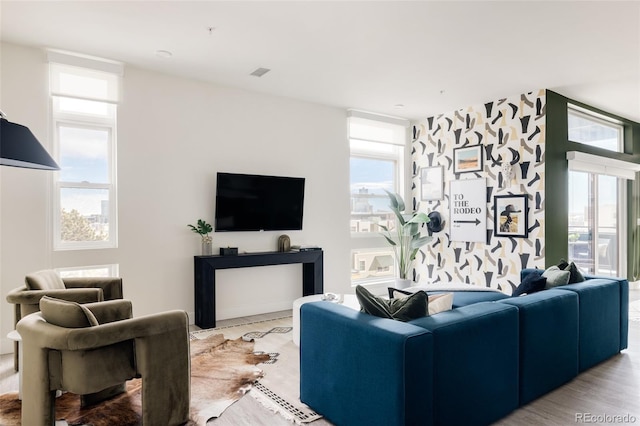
(66, 314)
(44, 280)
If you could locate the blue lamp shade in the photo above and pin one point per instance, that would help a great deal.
(20, 148)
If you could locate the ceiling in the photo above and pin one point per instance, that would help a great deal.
(430, 57)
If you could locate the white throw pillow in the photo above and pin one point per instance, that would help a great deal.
(440, 303)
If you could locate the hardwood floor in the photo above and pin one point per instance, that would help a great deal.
(609, 389)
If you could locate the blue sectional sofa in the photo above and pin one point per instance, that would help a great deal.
(469, 366)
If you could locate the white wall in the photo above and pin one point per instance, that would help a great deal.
(173, 136)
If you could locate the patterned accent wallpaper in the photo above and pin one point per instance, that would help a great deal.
(510, 131)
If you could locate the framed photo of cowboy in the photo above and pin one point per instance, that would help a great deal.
(510, 214)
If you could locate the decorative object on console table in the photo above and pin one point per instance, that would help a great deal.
(407, 239)
(510, 214)
(203, 229)
(228, 251)
(305, 247)
(284, 243)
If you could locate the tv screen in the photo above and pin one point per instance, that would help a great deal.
(258, 203)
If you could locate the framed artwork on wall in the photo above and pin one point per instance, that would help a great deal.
(468, 214)
(510, 214)
(467, 159)
(432, 183)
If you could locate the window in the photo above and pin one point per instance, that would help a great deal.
(377, 163)
(89, 271)
(594, 130)
(84, 95)
(597, 212)
(597, 201)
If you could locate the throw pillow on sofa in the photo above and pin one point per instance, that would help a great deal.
(66, 314)
(556, 277)
(575, 275)
(532, 283)
(440, 303)
(402, 309)
(437, 302)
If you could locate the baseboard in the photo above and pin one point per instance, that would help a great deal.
(634, 285)
(248, 310)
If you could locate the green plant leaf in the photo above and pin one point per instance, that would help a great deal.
(390, 241)
(419, 242)
(420, 218)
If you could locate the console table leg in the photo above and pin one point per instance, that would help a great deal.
(205, 296)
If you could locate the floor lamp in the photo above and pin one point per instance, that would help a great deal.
(20, 148)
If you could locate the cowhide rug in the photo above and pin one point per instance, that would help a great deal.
(222, 371)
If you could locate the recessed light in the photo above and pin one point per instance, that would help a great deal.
(398, 106)
(163, 54)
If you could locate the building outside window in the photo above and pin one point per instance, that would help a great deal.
(84, 97)
(377, 163)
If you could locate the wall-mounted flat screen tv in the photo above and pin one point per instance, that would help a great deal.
(258, 203)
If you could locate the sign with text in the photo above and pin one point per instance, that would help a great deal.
(468, 218)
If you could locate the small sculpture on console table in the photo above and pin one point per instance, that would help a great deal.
(284, 243)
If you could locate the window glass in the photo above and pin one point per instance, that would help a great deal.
(89, 271)
(594, 131)
(84, 154)
(84, 214)
(369, 202)
(372, 265)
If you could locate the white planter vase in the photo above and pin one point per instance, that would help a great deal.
(207, 246)
(402, 283)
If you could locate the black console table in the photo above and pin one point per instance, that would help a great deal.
(205, 276)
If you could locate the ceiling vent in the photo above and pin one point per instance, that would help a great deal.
(260, 72)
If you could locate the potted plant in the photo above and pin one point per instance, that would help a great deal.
(405, 239)
(203, 229)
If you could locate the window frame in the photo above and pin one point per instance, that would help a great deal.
(603, 120)
(112, 73)
(373, 241)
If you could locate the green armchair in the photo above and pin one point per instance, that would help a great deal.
(93, 349)
(48, 283)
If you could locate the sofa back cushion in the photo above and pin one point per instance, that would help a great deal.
(66, 314)
(44, 280)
